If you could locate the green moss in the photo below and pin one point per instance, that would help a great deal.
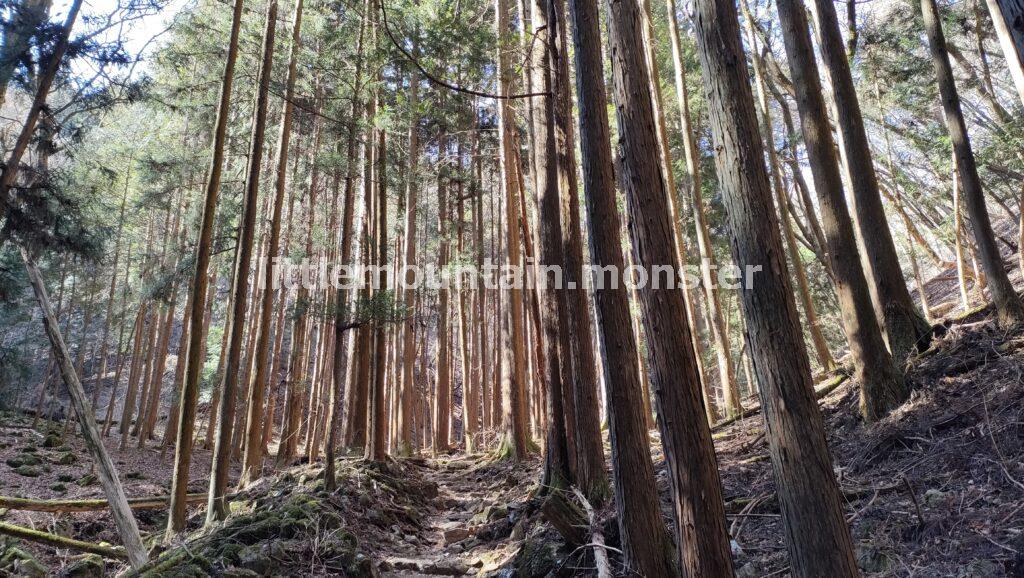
(87, 480)
(66, 459)
(87, 566)
(59, 487)
(28, 471)
(18, 562)
(65, 478)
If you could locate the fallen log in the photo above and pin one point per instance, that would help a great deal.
(62, 542)
(88, 505)
(105, 469)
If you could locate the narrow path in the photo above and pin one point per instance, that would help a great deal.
(472, 493)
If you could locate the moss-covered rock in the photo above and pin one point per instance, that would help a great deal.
(66, 459)
(28, 471)
(87, 566)
(24, 460)
(281, 527)
(536, 559)
(87, 480)
(59, 488)
(17, 562)
(52, 440)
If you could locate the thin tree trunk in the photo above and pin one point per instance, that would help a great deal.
(903, 326)
(514, 387)
(204, 245)
(821, 348)
(442, 406)
(376, 443)
(340, 364)
(252, 460)
(217, 506)
(588, 455)
(412, 186)
(107, 472)
(557, 366)
(708, 266)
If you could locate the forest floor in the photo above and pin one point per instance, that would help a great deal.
(935, 489)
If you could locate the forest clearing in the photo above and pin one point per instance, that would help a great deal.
(512, 288)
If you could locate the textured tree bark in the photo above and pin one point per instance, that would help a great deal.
(665, 158)
(481, 361)
(412, 189)
(817, 537)
(882, 385)
(359, 379)
(903, 326)
(105, 469)
(692, 469)
(644, 539)
(513, 382)
(443, 400)
(708, 266)
(557, 364)
(821, 348)
(376, 446)
(588, 455)
(470, 394)
(1009, 309)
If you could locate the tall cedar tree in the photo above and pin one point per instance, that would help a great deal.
(692, 469)
(204, 246)
(818, 539)
(252, 457)
(882, 385)
(905, 328)
(217, 507)
(644, 539)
